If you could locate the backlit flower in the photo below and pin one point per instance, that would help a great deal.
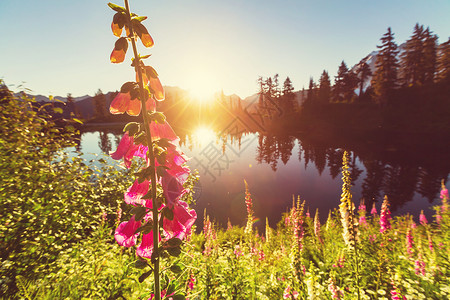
(423, 220)
(151, 79)
(117, 24)
(127, 150)
(183, 219)
(125, 235)
(119, 51)
(385, 216)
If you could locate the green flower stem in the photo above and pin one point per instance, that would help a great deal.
(157, 288)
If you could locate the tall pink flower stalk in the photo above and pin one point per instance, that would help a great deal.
(346, 207)
(317, 226)
(373, 211)
(336, 293)
(362, 213)
(210, 235)
(423, 220)
(249, 205)
(444, 196)
(409, 241)
(385, 216)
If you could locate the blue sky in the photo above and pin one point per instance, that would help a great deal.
(56, 47)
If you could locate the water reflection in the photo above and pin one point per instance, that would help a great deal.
(279, 166)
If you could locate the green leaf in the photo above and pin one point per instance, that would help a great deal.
(171, 288)
(174, 242)
(145, 229)
(58, 110)
(176, 251)
(158, 117)
(145, 56)
(140, 264)
(117, 7)
(145, 275)
(138, 212)
(176, 268)
(132, 128)
(139, 18)
(179, 297)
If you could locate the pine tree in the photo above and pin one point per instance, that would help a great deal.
(310, 97)
(324, 87)
(100, 104)
(412, 60)
(288, 94)
(276, 89)
(384, 80)
(363, 72)
(339, 82)
(443, 68)
(429, 57)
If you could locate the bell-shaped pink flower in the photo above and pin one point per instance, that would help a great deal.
(385, 216)
(127, 150)
(183, 219)
(173, 189)
(135, 193)
(125, 235)
(123, 103)
(161, 131)
(423, 220)
(145, 248)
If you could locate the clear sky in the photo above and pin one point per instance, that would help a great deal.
(55, 47)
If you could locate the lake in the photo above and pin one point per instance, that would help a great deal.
(279, 168)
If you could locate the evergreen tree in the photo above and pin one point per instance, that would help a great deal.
(384, 80)
(363, 72)
(310, 97)
(100, 104)
(339, 83)
(429, 56)
(443, 68)
(412, 60)
(288, 95)
(269, 87)
(276, 89)
(350, 84)
(324, 87)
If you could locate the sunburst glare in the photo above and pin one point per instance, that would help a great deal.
(203, 135)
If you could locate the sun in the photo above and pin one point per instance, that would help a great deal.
(203, 136)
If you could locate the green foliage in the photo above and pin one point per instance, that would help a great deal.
(50, 199)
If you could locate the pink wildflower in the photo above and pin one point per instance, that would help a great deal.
(237, 251)
(409, 241)
(423, 220)
(438, 215)
(419, 265)
(430, 243)
(362, 213)
(163, 295)
(395, 294)
(373, 211)
(317, 226)
(183, 219)
(125, 235)
(289, 293)
(191, 281)
(127, 150)
(336, 293)
(385, 216)
(249, 204)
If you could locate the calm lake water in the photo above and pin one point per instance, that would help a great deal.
(278, 168)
